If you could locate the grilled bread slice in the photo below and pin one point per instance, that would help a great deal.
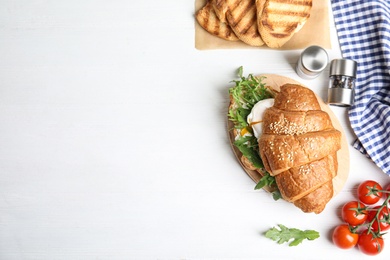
(279, 20)
(209, 21)
(242, 18)
(222, 6)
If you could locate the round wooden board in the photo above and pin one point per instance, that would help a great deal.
(275, 81)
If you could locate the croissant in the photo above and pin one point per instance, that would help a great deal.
(299, 147)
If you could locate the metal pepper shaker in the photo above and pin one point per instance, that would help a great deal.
(312, 62)
(342, 76)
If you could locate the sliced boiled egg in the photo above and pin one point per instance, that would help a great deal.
(255, 118)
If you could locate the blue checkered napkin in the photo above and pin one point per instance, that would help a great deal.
(363, 28)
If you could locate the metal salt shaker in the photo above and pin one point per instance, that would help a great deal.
(342, 75)
(312, 62)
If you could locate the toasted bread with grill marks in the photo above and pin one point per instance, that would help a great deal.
(242, 18)
(279, 20)
(222, 6)
(209, 21)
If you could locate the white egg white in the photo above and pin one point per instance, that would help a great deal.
(255, 118)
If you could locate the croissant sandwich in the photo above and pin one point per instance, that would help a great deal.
(286, 137)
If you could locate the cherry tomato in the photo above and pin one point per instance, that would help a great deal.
(368, 192)
(354, 213)
(369, 244)
(343, 237)
(383, 218)
(385, 195)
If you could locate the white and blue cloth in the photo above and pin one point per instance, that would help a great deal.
(363, 28)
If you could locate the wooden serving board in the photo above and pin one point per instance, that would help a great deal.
(275, 81)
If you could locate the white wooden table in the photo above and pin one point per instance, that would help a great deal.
(113, 140)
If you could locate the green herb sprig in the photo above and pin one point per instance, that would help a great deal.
(285, 235)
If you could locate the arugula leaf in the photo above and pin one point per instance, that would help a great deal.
(276, 195)
(245, 94)
(248, 147)
(238, 117)
(284, 235)
(240, 71)
(266, 180)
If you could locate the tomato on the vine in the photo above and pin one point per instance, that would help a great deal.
(383, 218)
(385, 195)
(343, 237)
(369, 244)
(354, 213)
(368, 192)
